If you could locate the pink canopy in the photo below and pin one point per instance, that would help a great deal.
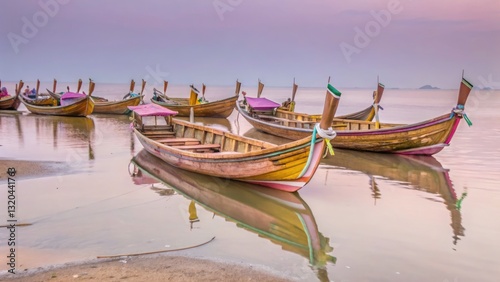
(261, 104)
(72, 95)
(152, 110)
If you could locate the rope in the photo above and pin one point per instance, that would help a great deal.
(327, 135)
(459, 111)
(156, 252)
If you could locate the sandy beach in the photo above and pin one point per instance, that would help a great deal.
(137, 268)
(156, 268)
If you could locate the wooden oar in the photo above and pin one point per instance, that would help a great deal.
(79, 86)
(203, 87)
(54, 86)
(37, 88)
(260, 88)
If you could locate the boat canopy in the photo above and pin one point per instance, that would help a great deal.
(72, 95)
(261, 104)
(152, 110)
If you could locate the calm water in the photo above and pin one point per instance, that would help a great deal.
(369, 217)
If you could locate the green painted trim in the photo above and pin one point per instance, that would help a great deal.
(468, 84)
(333, 91)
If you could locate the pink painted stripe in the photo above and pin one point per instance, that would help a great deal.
(279, 185)
(427, 150)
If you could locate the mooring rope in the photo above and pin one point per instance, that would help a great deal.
(460, 111)
(156, 252)
(327, 135)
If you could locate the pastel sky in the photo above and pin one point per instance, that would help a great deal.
(407, 43)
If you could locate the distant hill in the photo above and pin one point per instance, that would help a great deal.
(428, 87)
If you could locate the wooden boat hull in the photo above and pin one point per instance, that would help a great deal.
(285, 167)
(284, 218)
(43, 100)
(10, 103)
(80, 108)
(220, 108)
(366, 114)
(116, 107)
(424, 138)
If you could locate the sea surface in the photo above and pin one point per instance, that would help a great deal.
(363, 217)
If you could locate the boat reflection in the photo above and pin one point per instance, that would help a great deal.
(73, 131)
(281, 217)
(423, 173)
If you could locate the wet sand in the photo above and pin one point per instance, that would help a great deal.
(157, 268)
(140, 268)
(32, 169)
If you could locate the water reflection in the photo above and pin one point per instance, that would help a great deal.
(423, 173)
(73, 132)
(281, 217)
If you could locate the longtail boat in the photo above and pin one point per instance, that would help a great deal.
(10, 102)
(283, 218)
(369, 112)
(200, 107)
(287, 108)
(423, 173)
(72, 104)
(57, 95)
(220, 153)
(40, 99)
(120, 107)
(422, 138)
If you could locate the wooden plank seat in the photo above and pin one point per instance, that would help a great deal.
(200, 148)
(159, 134)
(178, 141)
(157, 127)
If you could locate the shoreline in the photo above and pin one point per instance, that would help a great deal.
(151, 267)
(148, 268)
